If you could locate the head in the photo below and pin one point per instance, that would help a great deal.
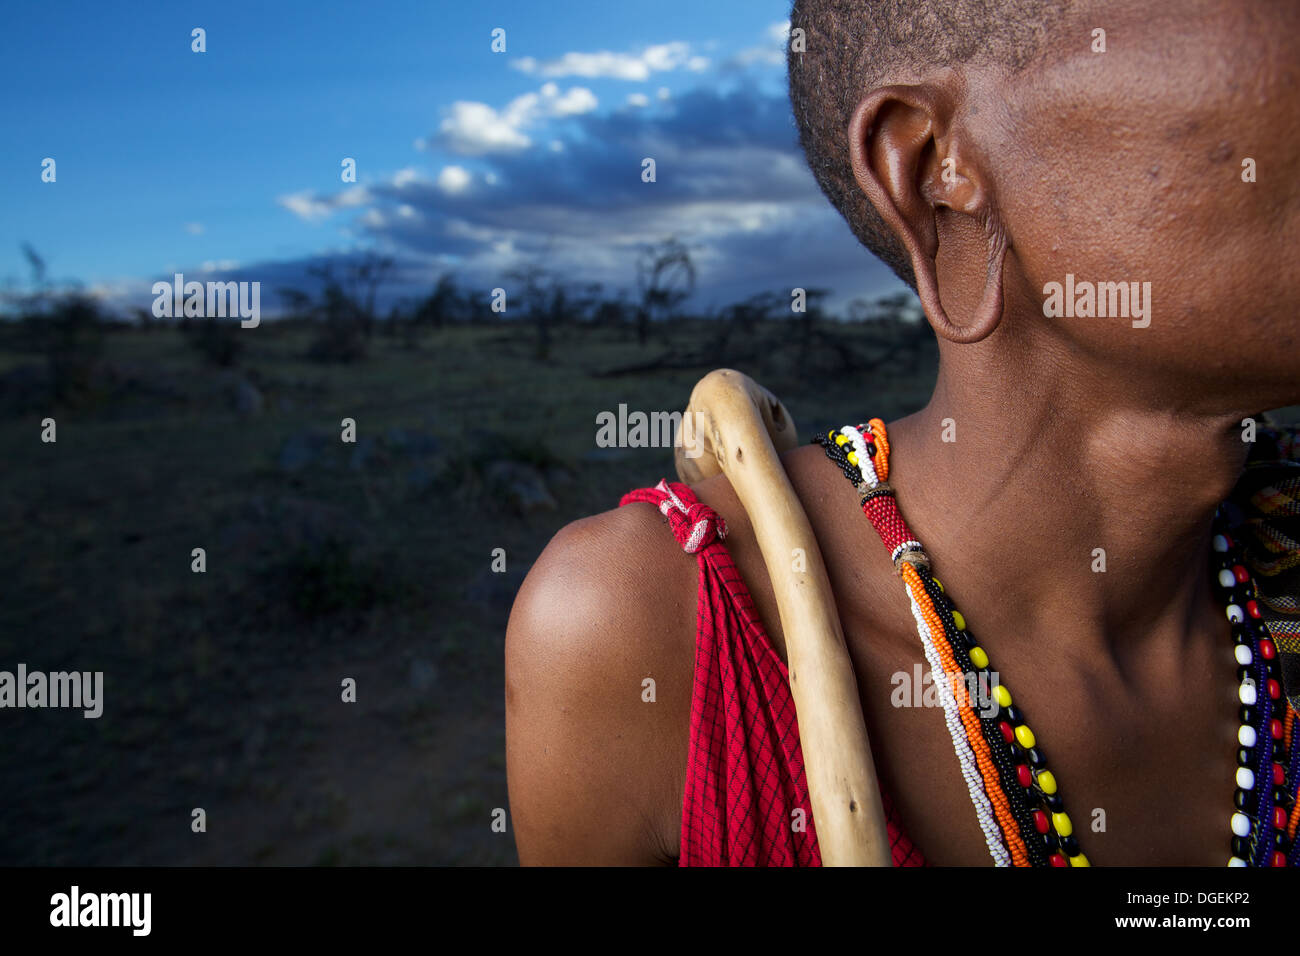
(988, 149)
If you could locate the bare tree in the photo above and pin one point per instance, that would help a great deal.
(437, 309)
(813, 299)
(665, 276)
(296, 301)
(37, 264)
(36, 299)
(365, 277)
(544, 301)
(342, 334)
(586, 301)
(743, 317)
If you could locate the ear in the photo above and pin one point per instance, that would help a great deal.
(909, 164)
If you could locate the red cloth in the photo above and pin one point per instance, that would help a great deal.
(745, 776)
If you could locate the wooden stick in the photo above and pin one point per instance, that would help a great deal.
(735, 426)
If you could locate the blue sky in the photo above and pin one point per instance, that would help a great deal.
(226, 164)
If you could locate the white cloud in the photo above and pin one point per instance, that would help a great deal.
(473, 128)
(117, 290)
(194, 228)
(219, 265)
(453, 179)
(576, 101)
(771, 53)
(310, 207)
(638, 99)
(306, 206)
(664, 93)
(765, 56)
(353, 196)
(404, 177)
(606, 64)
(477, 128)
(460, 229)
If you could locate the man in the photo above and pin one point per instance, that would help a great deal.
(1002, 157)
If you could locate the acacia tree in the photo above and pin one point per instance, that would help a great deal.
(342, 333)
(744, 317)
(440, 306)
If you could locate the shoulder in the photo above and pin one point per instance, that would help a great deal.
(596, 755)
(604, 584)
(596, 772)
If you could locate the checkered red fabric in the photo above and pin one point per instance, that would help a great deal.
(746, 800)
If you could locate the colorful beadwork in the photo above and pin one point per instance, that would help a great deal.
(1016, 798)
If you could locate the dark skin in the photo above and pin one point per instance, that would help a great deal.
(1071, 435)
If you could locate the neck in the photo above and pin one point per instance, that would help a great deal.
(1045, 485)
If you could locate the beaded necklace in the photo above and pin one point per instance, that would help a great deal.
(1016, 797)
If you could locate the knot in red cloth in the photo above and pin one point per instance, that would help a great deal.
(695, 526)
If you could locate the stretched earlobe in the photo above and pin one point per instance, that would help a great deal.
(989, 313)
(889, 135)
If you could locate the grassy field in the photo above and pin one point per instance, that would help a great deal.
(325, 560)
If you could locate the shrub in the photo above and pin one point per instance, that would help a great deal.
(71, 335)
(219, 343)
(331, 577)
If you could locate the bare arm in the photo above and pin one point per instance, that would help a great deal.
(595, 769)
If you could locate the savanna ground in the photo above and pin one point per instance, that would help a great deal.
(324, 560)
